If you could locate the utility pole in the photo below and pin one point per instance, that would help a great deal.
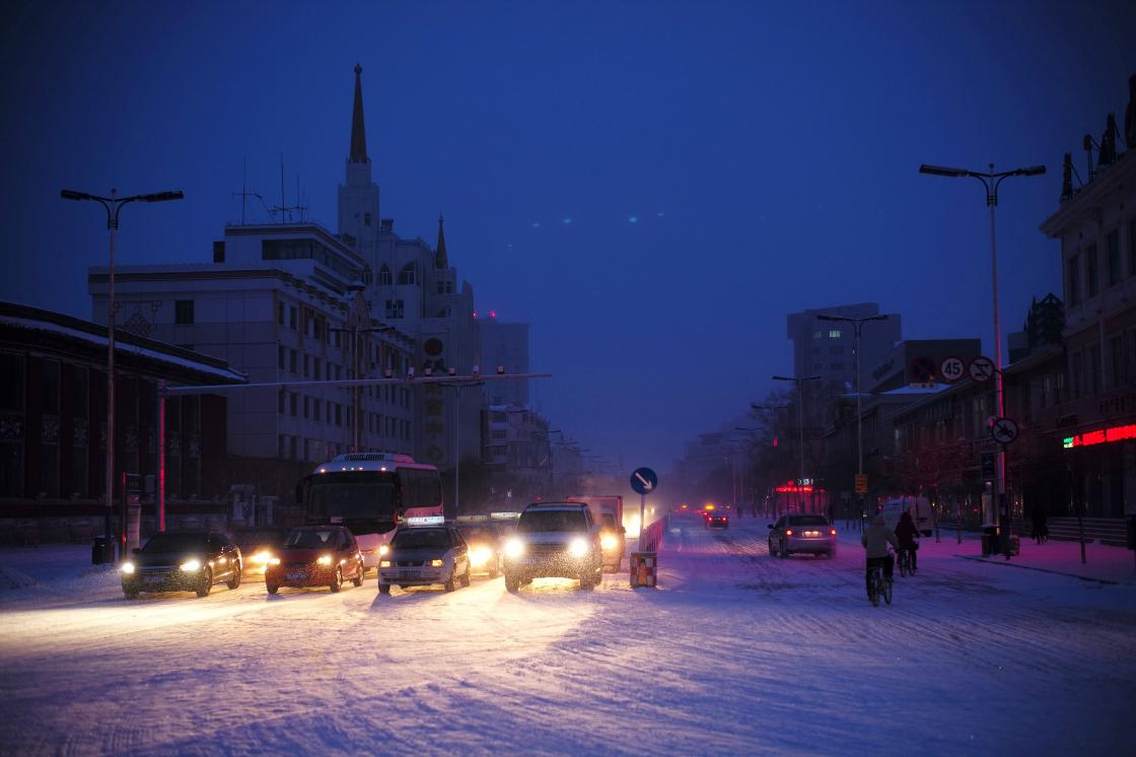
(991, 180)
(113, 206)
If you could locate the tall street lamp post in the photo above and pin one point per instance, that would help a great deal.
(800, 382)
(113, 206)
(991, 180)
(858, 325)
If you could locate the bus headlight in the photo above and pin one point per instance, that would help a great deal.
(127, 568)
(514, 548)
(609, 542)
(578, 547)
(191, 566)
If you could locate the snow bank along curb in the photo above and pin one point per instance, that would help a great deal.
(1009, 564)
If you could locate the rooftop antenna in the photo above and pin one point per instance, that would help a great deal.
(283, 207)
(244, 194)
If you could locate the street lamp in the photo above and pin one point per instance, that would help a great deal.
(991, 180)
(800, 384)
(113, 206)
(858, 325)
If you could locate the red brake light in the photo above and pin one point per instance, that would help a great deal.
(788, 532)
(832, 531)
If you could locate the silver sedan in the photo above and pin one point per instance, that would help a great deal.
(812, 534)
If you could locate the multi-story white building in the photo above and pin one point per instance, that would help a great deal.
(281, 303)
(416, 289)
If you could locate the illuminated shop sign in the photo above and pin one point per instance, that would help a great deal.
(1101, 436)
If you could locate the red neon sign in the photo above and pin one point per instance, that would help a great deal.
(791, 488)
(1101, 436)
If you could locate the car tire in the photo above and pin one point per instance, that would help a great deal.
(272, 588)
(512, 584)
(235, 580)
(449, 585)
(358, 579)
(206, 585)
(385, 589)
(465, 578)
(337, 580)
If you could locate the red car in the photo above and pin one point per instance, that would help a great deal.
(315, 556)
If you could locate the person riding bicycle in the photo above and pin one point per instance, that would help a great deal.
(876, 538)
(908, 536)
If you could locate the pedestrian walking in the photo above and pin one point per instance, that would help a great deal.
(1040, 529)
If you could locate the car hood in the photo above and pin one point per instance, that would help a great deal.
(160, 559)
(553, 537)
(420, 554)
(304, 555)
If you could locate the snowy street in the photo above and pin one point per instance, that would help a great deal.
(735, 652)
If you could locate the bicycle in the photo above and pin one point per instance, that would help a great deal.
(880, 586)
(903, 560)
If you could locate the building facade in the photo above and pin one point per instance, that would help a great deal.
(281, 303)
(827, 348)
(505, 345)
(53, 431)
(1095, 226)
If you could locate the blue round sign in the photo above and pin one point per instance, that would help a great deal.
(644, 480)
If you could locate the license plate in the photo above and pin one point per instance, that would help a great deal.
(812, 533)
(153, 580)
(296, 575)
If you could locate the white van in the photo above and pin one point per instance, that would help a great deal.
(919, 508)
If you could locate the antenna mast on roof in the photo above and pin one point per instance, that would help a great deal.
(283, 207)
(244, 194)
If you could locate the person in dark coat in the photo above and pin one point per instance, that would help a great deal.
(1040, 527)
(908, 536)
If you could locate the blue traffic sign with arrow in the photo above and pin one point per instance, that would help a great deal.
(644, 480)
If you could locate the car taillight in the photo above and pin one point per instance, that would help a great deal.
(832, 531)
(788, 532)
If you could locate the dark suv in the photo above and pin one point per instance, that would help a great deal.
(182, 561)
(554, 539)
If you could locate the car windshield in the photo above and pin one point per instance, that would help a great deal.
(540, 521)
(421, 538)
(808, 520)
(370, 499)
(310, 538)
(167, 542)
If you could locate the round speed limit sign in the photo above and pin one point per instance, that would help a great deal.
(952, 369)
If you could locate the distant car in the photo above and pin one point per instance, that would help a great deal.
(812, 534)
(182, 561)
(424, 556)
(484, 545)
(554, 539)
(717, 520)
(259, 546)
(316, 556)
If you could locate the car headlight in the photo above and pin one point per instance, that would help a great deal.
(480, 555)
(191, 566)
(514, 548)
(263, 557)
(436, 563)
(609, 542)
(578, 547)
(384, 563)
(274, 561)
(127, 568)
(383, 550)
(324, 560)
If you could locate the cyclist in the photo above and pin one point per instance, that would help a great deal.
(908, 536)
(876, 538)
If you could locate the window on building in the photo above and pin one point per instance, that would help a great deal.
(307, 406)
(183, 312)
(307, 366)
(316, 369)
(1112, 244)
(366, 219)
(407, 274)
(1092, 280)
(834, 334)
(292, 361)
(292, 317)
(280, 313)
(1094, 380)
(281, 357)
(1116, 360)
(292, 447)
(385, 276)
(219, 252)
(394, 309)
(441, 287)
(293, 401)
(317, 403)
(1076, 367)
(1073, 281)
(282, 446)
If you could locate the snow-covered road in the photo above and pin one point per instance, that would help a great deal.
(737, 652)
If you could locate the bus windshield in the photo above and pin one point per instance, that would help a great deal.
(370, 498)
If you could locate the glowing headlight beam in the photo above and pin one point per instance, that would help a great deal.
(190, 566)
(127, 567)
(578, 547)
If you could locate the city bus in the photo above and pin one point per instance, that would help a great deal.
(371, 493)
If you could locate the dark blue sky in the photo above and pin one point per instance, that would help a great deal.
(768, 153)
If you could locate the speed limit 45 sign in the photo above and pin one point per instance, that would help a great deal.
(952, 369)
